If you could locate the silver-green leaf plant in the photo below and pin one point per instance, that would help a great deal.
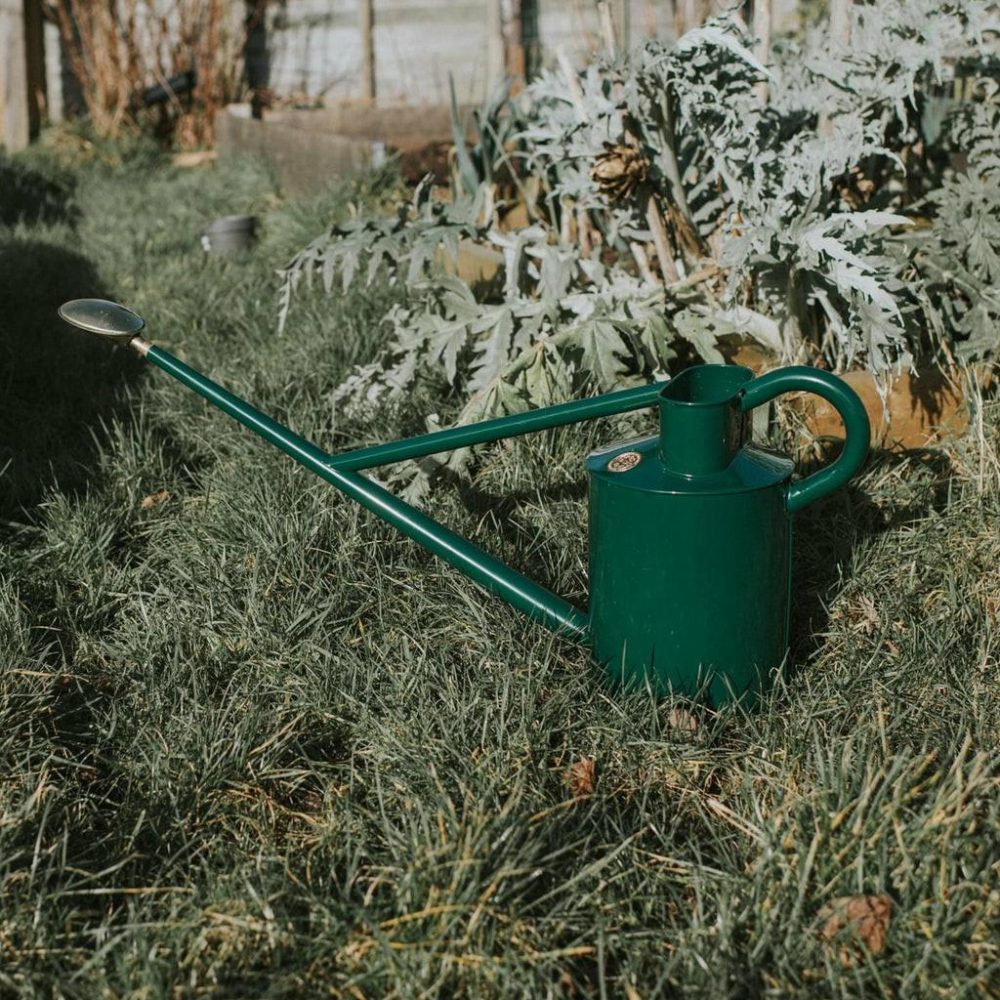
(847, 212)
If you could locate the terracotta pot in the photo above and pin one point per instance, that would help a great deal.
(919, 409)
(231, 232)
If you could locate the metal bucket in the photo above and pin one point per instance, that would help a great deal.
(231, 232)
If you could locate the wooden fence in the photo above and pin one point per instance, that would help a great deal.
(398, 51)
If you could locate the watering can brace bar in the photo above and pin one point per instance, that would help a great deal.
(690, 530)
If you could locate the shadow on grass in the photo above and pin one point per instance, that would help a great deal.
(502, 510)
(827, 533)
(31, 196)
(56, 386)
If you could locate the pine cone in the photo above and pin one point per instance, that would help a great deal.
(619, 170)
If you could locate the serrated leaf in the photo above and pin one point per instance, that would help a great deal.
(446, 342)
(702, 332)
(492, 348)
(600, 344)
(711, 35)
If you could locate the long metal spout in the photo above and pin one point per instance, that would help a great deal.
(539, 603)
(112, 321)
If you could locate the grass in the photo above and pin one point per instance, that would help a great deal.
(255, 744)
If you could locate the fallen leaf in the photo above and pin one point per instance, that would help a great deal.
(682, 721)
(579, 777)
(868, 917)
(154, 499)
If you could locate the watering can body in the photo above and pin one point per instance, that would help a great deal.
(703, 609)
(690, 537)
(690, 557)
(689, 530)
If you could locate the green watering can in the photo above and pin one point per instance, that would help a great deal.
(690, 530)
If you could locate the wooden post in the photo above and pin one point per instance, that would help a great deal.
(607, 28)
(761, 28)
(256, 57)
(495, 47)
(15, 129)
(367, 28)
(650, 20)
(519, 26)
(688, 14)
(34, 55)
(512, 25)
(840, 22)
(840, 35)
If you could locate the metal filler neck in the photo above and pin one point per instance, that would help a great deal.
(702, 423)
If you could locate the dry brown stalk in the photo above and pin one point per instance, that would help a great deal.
(642, 263)
(686, 237)
(117, 48)
(584, 229)
(667, 266)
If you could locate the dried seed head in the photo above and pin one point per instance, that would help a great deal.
(619, 170)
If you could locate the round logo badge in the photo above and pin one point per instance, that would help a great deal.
(625, 461)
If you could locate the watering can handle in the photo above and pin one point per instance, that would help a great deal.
(852, 411)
